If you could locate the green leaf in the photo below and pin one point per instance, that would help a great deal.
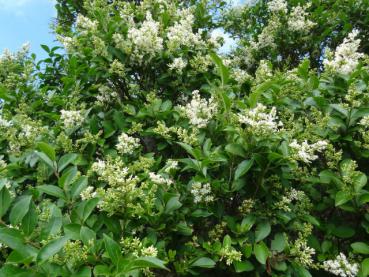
(51, 249)
(235, 149)
(103, 270)
(67, 178)
(227, 241)
(45, 159)
(47, 149)
(261, 252)
(343, 232)
(52, 190)
(222, 69)
(173, 204)
(203, 262)
(262, 231)
(20, 209)
(15, 240)
(73, 231)
(342, 197)
(84, 272)
(150, 262)
(78, 186)
(113, 249)
(278, 243)
(66, 160)
(29, 221)
(5, 201)
(188, 148)
(243, 266)
(360, 247)
(86, 208)
(242, 168)
(360, 181)
(201, 213)
(365, 267)
(87, 235)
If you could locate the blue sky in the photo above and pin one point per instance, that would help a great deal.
(26, 21)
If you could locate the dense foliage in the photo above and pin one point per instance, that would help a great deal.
(140, 150)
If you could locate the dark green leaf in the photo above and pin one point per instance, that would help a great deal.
(113, 250)
(20, 209)
(203, 262)
(243, 168)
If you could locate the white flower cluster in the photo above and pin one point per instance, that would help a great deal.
(259, 121)
(67, 42)
(106, 95)
(341, 266)
(84, 24)
(178, 65)
(286, 201)
(28, 132)
(364, 121)
(181, 34)
(171, 165)
(88, 193)
(305, 152)
(5, 123)
(146, 39)
(150, 251)
(241, 76)
(277, 6)
(346, 58)
(2, 163)
(71, 119)
(298, 19)
(159, 179)
(127, 144)
(231, 255)
(199, 111)
(112, 172)
(202, 193)
(304, 254)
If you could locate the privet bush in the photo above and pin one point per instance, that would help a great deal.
(141, 151)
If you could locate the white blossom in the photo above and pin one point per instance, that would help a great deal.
(127, 144)
(178, 65)
(259, 121)
(5, 123)
(241, 76)
(202, 193)
(2, 163)
(159, 179)
(364, 121)
(146, 39)
(87, 193)
(199, 111)
(277, 6)
(71, 119)
(150, 251)
(341, 266)
(181, 34)
(171, 165)
(106, 95)
(298, 19)
(305, 152)
(84, 24)
(346, 58)
(67, 42)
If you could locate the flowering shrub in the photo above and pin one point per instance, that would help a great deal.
(142, 151)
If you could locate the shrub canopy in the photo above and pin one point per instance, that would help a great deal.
(140, 150)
